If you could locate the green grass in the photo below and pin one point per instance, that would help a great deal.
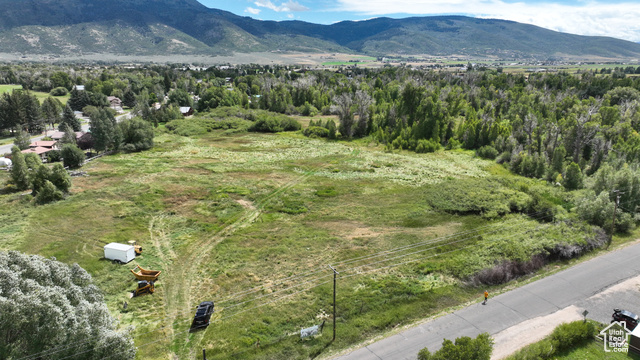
(222, 213)
(590, 349)
(594, 350)
(43, 95)
(9, 88)
(40, 95)
(343, 63)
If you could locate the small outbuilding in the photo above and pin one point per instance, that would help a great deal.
(4, 162)
(186, 110)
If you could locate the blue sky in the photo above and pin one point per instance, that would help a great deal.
(620, 19)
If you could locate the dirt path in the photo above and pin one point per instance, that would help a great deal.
(527, 332)
(179, 284)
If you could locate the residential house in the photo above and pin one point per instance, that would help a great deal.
(186, 110)
(115, 102)
(41, 148)
(57, 135)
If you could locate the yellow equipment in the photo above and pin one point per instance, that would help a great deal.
(144, 287)
(137, 247)
(144, 274)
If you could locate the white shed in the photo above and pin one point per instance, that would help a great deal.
(119, 252)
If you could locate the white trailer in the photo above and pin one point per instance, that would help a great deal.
(119, 252)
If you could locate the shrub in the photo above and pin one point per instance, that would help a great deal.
(48, 193)
(453, 144)
(54, 156)
(72, 156)
(465, 348)
(274, 123)
(137, 135)
(316, 131)
(60, 178)
(563, 337)
(59, 91)
(487, 152)
(509, 270)
(427, 146)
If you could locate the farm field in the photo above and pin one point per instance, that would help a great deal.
(253, 221)
(40, 95)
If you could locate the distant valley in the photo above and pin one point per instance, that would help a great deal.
(186, 28)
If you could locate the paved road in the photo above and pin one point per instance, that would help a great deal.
(574, 286)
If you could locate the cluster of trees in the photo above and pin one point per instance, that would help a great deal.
(559, 127)
(51, 310)
(128, 135)
(48, 184)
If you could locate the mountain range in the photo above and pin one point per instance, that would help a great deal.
(164, 27)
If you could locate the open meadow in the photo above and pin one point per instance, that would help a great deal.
(253, 221)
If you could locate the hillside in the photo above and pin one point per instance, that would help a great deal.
(159, 27)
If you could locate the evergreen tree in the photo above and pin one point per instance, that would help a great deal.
(33, 118)
(48, 193)
(19, 170)
(41, 175)
(70, 119)
(22, 140)
(557, 164)
(129, 98)
(60, 177)
(573, 178)
(51, 111)
(69, 135)
(105, 133)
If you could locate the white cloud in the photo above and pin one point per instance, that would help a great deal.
(619, 20)
(290, 6)
(252, 11)
(290, 16)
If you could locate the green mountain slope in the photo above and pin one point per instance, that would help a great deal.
(160, 27)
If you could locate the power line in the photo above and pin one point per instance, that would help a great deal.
(379, 254)
(383, 253)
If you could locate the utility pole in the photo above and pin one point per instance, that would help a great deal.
(615, 210)
(335, 274)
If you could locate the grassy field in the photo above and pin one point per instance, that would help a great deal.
(9, 88)
(253, 221)
(40, 95)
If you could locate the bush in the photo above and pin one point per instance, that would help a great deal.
(59, 91)
(316, 132)
(509, 270)
(274, 123)
(427, 146)
(487, 152)
(565, 336)
(72, 156)
(465, 348)
(54, 156)
(137, 135)
(48, 193)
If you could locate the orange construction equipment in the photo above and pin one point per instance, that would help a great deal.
(143, 274)
(144, 287)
